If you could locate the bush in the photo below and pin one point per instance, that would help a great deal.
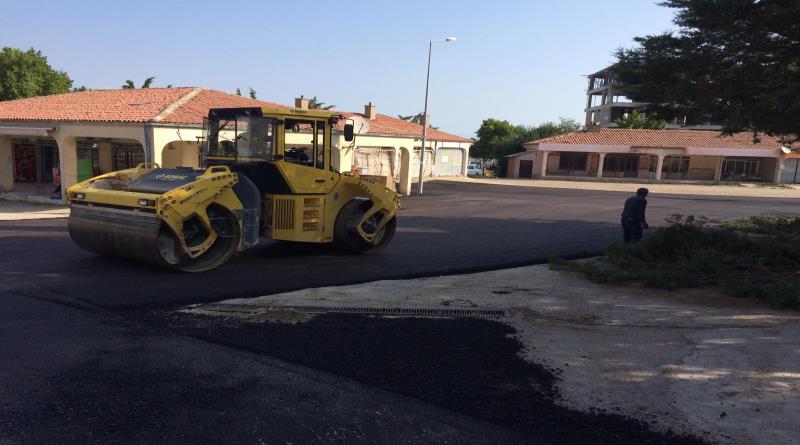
(756, 258)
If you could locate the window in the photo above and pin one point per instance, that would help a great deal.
(675, 167)
(240, 139)
(741, 169)
(572, 161)
(312, 153)
(621, 165)
(126, 155)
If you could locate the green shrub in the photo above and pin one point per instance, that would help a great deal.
(756, 258)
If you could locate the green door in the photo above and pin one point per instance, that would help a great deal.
(84, 169)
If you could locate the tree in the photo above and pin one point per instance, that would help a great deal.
(238, 91)
(129, 85)
(27, 74)
(733, 62)
(415, 119)
(252, 93)
(499, 138)
(639, 120)
(316, 104)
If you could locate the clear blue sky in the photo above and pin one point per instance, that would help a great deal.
(523, 61)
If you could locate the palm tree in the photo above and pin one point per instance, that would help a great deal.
(316, 104)
(129, 85)
(415, 119)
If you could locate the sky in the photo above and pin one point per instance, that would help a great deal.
(524, 61)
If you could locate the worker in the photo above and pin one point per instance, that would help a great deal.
(633, 217)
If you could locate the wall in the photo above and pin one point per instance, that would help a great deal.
(767, 169)
(699, 167)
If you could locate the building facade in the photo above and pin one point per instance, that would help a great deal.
(691, 155)
(49, 143)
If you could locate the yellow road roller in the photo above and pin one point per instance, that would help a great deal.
(252, 183)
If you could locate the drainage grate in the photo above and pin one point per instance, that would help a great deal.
(360, 310)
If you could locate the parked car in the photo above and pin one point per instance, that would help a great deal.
(474, 169)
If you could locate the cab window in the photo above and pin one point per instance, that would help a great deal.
(305, 142)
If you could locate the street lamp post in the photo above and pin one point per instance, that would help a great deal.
(425, 112)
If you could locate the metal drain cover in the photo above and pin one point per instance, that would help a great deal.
(360, 310)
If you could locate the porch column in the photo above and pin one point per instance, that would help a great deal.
(776, 177)
(600, 164)
(659, 165)
(544, 163)
(405, 171)
(6, 164)
(718, 173)
(68, 161)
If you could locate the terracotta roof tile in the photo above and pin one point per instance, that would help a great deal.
(185, 106)
(391, 126)
(663, 139)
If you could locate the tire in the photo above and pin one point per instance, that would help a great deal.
(346, 236)
(226, 245)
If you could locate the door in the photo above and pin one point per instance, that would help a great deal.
(525, 169)
(24, 163)
(789, 175)
(449, 162)
(49, 161)
(306, 162)
(375, 161)
(428, 168)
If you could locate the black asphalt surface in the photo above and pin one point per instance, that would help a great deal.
(90, 351)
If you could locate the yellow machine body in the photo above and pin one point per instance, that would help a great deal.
(251, 185)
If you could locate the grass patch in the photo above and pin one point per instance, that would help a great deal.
(757, 257)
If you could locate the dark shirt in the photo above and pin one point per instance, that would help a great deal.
(634, 209)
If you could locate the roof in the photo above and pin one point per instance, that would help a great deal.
(384, 125)
(181, 106)
(663, 139)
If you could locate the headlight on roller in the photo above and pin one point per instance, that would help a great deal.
(79, 195)
(147, 203)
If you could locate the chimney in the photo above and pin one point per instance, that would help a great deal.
(370, 111)
(301, 102)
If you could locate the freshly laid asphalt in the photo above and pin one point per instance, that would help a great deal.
(91, 353)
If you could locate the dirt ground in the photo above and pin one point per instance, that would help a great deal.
(745, 190)
(686, 361)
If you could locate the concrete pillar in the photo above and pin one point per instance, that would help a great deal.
(6, 164)
(106, 156)
(405, 171)
(600, 162)
(68, 160)
(464, 160)
(776, 178)
(659, 166)
(544, 163)
(718, 172)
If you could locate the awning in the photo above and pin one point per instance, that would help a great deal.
(25, 131)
